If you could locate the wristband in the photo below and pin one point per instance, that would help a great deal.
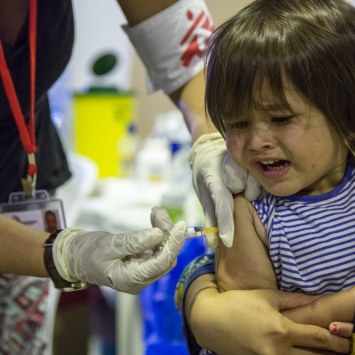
(59, 282)
(171, 44)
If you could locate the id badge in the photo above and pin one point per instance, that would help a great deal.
(45, 213)
(41, 212)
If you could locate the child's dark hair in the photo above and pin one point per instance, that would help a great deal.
(309, 42)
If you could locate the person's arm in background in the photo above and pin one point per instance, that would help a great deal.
(190, 97)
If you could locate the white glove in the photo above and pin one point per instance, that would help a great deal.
(126, 262)
(160, 218)
(215, 177)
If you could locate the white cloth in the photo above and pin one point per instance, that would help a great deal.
(171, 44)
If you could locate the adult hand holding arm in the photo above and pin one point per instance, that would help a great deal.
(249, 322)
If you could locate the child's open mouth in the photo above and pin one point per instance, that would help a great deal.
(274, 165)
(273, 169)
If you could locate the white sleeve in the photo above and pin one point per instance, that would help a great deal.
(171, 44)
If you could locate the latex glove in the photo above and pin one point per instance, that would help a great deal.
(215, 177)
(160, 218)
(125, 262)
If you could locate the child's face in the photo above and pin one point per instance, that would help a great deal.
(288, 153)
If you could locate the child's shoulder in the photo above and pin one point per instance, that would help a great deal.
(241, 201)
(242, 206)
(245, 213)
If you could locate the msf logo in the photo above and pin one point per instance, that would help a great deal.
(201, 22)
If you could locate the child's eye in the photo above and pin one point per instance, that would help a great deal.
(238, 125)
(282, 120)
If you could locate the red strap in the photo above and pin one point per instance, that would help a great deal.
(27, 137)
(32, 42)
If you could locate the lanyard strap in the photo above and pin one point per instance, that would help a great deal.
(27, 136)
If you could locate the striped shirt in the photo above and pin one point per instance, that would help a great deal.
(312, 238)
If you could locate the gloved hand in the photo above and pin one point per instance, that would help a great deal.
(215, 177)
(126, 262)
(160, 218)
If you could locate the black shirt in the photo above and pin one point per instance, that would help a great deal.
(55, 36)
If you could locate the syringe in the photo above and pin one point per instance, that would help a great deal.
(196, 232)
(192, 232)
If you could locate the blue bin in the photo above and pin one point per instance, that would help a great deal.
(162, 321)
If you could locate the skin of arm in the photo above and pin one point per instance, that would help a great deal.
(236, 267)
(21, 249)
(247, 266)
(249, 322)
(339, 306)
(190, 97)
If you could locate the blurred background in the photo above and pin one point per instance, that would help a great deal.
(127, 152)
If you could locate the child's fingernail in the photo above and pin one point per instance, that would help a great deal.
(334, 328)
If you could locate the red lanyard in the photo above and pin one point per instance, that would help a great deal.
(27, 136)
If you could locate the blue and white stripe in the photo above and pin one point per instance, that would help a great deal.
(312, 238)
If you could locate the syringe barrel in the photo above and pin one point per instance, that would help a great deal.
(195, 232)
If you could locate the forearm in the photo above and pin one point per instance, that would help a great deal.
(21, 250)
(190, 101)
(243, 322)
(194, 308)
(326, 309)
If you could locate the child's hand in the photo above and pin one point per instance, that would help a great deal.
(342, 329)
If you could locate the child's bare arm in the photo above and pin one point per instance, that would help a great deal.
(246, 265)
(325, 310)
